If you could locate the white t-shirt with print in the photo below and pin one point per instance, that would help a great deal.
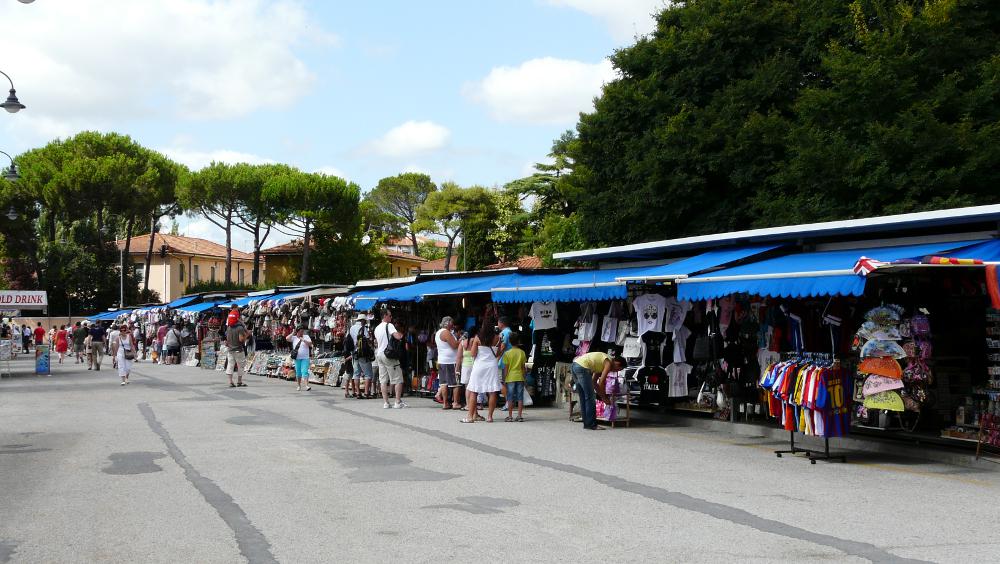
(681, 335)
(649, 309)
(545, 315)
(303, 351)
(676, 312)
(678, 374)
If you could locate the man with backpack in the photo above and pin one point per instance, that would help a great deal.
(389, 353)
(362, 354)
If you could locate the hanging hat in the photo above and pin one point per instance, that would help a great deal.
(361, 317)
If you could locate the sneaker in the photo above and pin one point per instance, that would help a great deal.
(123, 383)
(308, 388)
(298, 389)
(399, 405)
(385, 405)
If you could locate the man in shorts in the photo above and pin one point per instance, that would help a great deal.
(362, 355)
(79, 337)
(236, 336)
(389, 370)
(447, 347)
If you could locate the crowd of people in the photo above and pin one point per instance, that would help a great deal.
(481, 362)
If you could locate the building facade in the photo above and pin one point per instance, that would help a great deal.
(180, 262)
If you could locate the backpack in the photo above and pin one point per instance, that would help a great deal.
(363, 347)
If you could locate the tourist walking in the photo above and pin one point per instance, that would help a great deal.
(123, 349)
(447, 347)
(388, 356)
(79, 336)
(61, 342)
(587, 368)
(39, 334)
(236, 336)
(485, 376)
(25, 337)
(301, 349)
(97, 336)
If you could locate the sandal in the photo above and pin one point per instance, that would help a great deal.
(446, 408)
(466, 420)
(241, 385)
(508, 419)
(231, 385)
(480, 417)
(520, 420)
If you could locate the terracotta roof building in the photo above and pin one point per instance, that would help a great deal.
(524, 263)
(180, 262)
(437, 265)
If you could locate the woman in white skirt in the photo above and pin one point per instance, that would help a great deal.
(123, 350)
(485, 376)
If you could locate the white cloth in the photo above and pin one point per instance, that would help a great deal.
(676, 311)
(382, 336)
(446, 354)
(544, 314)
(485, 376)
(305, 349)
(681, 335)
(678, 373)
(649, 311)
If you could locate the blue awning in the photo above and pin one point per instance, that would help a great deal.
(366, 300)
(108, 315)
(199, 307)
(987, 251)
(799, 275)
(183, 301)
(699, 263)
(585, 285)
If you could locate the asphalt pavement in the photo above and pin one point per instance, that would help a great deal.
(179, 467)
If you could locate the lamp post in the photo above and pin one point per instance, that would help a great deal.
(12, 104)
(11, 172)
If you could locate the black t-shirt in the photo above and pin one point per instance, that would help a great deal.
(653, 384)
(654, 346)
(97, 333)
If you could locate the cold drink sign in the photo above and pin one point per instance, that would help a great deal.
(23, 299)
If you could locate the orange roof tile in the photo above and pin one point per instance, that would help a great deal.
(438, 265)
(180, 245)
(405, 242)
(402, 256)
(528, 262)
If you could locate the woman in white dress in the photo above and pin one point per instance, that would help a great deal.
(124, 351)
(485, 376)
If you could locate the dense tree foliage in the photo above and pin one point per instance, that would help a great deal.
(741, 113)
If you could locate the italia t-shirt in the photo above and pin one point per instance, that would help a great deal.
(544, 314)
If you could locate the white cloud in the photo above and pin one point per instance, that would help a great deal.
(331, 171)
(546, 91)
(95, 63)
(411, 138)
(625, 18)
(196, 160)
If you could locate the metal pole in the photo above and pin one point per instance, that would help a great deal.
(121, 291)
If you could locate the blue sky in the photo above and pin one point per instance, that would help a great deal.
(473, 92)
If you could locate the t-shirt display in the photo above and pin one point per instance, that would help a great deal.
(681, 335)
(676, 311)
(678, 373)
(544, 314)
(649, 312)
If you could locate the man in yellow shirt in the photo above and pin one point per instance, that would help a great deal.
(585, 369)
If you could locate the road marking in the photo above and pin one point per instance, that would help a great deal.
(675, 499)
(253, 545)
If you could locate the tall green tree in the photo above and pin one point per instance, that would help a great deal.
(259, 211)
(217, 193)
(443, 211)
(401, 196)
(739, 113)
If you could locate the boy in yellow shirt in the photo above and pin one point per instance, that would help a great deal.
(513, 377)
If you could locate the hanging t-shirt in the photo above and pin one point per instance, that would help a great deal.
(678, 374)
(653, 344)
(649, 311)
(676, 311)
(545, 315)
(653, 380)
(681, 335)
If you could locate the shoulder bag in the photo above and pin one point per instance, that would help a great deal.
(394, 348)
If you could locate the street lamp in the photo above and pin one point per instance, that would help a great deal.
(12, 104)
(11, 172)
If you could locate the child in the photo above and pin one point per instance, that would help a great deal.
(513, 377)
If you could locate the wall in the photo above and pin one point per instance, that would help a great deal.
(282, 270)
(171, 286)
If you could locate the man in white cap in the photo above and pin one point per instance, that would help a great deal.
(362, 354)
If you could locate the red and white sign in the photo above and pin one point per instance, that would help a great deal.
(23, 299)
